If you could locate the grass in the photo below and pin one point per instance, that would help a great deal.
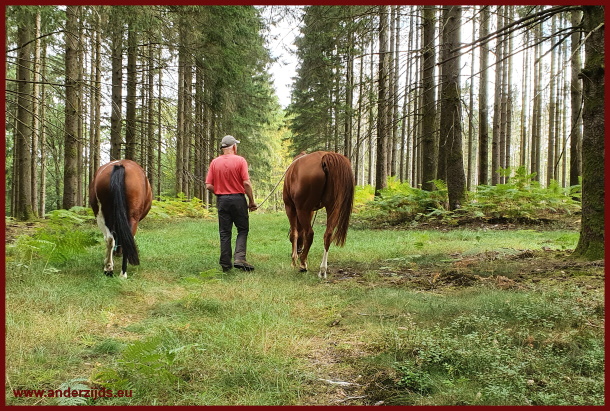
(392, 320)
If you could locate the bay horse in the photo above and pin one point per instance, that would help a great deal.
(312, 181)
(120, 196)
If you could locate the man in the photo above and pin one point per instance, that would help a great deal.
(228, 178)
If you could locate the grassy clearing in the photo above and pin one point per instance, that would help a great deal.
(407, 317)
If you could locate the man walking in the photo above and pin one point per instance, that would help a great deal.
(228, 178)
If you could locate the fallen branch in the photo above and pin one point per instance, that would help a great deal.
(340, 383)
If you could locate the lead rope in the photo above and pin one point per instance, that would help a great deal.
(281, 178)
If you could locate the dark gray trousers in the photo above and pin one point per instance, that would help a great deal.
(232, 209)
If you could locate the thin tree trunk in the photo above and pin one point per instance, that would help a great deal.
(552, 107)
(72, 109)
(483, 95)
(471, 109)
(130, 100)
(576, 102)
(382, 112)
(23, 130)
(43, 148)
(117, 86)
(497, 118)
(537, 109)
(36, 123)
(429, 139)
(525, 105)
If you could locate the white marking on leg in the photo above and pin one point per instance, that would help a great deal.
(123, 274)
(323, 265)
(108, 239)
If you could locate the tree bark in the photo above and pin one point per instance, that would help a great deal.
(591, 242)
(72, 109)
(117, 86)
(23, 130)
(429, 139)
(576, 102)
(451, 119)
(130, 100)
(483, 95)
(382, 111)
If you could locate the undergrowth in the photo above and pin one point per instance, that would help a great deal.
(520, 199)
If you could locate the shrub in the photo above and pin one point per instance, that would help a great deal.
(179, 206)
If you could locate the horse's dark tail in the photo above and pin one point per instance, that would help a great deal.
(340, 186)
(122, 228)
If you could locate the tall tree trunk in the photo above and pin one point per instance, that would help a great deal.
(180, 113)
(81, 114)
(72, 109)
(509, 98)
(349, 97)
(371, 146)
(359, 139)
(497, 118)
(483, 95)
(576, 102)
(525, 105)
(130, 100)
(150, 141)
(97, 98)
(550, 166)
(43, 151)
(591, 242)
(393, 84)
(23, 130)
(471, 109)
(537, 107)
(429, 139)
(187, 144)
(382, 111)
(116, 116)
(36, 123)
(451, 119)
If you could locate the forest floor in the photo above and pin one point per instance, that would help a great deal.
(279, 337)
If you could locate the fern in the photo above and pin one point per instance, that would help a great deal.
(76, 384)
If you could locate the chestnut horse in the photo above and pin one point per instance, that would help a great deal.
(120, 196)
(312, 181)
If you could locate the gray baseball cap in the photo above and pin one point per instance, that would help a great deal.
(228, 141)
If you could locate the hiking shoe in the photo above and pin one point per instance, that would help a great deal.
(244, 266)
(226, 269)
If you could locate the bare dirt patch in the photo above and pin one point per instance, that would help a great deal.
(522, 269)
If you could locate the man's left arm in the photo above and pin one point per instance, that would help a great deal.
(248, 189)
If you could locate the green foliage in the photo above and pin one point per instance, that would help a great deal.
(478, 359)
(399, 202)
(179, 206)
(520, 199)
(77, 384)
(144, 366)
(65, 234)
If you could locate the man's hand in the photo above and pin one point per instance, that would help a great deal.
(252, 206)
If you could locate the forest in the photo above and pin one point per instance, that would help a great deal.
(473, 271)
(463, 95)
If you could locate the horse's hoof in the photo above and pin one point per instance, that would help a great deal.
(109, 273)
(302, 270)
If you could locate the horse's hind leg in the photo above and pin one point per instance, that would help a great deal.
(327, 239)
(108, 240)
(293, 234)
(306, 233)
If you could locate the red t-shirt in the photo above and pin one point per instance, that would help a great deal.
(227, 174)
